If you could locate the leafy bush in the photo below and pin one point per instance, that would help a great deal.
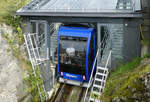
(32, 81)
(8, 9)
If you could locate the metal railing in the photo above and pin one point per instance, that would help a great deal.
(33, 62)
(109, 57)
(90, 81)
(36, 55)
(38, 46)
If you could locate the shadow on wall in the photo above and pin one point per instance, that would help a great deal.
(145, 4)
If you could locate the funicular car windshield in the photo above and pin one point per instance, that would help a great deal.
(72, 54)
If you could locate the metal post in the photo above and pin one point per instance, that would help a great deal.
(99, 41)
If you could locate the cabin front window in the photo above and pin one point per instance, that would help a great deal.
(72, 55)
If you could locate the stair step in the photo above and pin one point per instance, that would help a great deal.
(102, 74)
(96, 79)
(103, 79)
(94, 100)
(97, 86)
(101, 68)
(96, 93)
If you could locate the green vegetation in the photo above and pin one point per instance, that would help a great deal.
(32, 80)
(121, 80)
(146, 42)
(7, 11)
(14, 43)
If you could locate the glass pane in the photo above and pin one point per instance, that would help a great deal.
(72, 55)
(33, 24)
(41, 34)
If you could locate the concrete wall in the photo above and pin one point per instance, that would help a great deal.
(132, 46)
(125, 41)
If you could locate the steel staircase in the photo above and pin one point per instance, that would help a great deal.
(35, 56)
(99, 81)
(102, 70)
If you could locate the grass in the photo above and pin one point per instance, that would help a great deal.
(7, 10)
(129, 66)
(121, 80)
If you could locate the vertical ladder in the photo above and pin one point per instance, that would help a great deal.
(99, 81)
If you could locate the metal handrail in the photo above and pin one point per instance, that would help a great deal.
(133, 5)
(109, 56)
(108, 59)
(33, 68)
(91, 74)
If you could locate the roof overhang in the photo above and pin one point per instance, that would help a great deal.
(81, 14)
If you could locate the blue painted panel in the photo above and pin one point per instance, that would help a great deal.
(75, 31)
(87, 54)
(72, 76)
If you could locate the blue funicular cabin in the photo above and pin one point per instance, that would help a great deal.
(75, 54)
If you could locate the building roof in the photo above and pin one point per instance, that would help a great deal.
(92, 8)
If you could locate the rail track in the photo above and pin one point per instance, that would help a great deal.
(69, 93)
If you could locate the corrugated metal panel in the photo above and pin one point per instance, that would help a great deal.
(117, 42)
(79, 6)
(116, 31)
